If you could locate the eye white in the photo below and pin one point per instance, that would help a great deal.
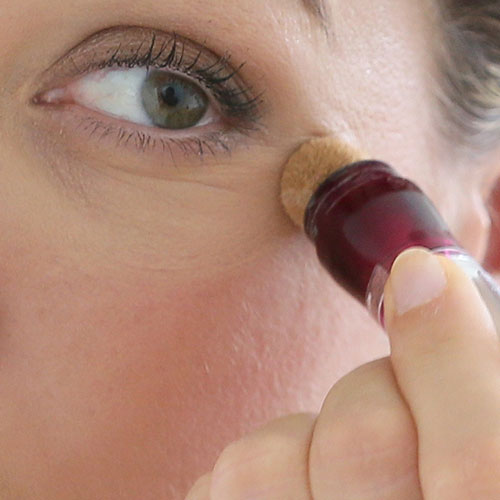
(115, 92)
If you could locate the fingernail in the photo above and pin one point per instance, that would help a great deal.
(416, 278)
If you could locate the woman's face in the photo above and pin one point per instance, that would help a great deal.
(156, 303)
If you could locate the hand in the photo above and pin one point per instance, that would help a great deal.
(422, 424)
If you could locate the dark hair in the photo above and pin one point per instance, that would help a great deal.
(470, 73)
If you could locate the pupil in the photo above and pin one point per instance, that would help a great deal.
(169, 96)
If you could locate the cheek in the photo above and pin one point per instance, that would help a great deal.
(124, 364)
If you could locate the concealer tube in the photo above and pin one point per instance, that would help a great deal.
(364, 215)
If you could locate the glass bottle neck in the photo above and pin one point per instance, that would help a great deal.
(363, 216)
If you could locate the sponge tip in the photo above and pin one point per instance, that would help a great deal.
(308, 167)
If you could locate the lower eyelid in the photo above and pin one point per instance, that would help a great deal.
(92, 135)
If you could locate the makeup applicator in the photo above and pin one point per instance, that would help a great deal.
(361, 215)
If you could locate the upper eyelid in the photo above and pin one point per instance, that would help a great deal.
(128, 41)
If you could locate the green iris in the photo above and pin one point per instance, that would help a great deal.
(171, 101)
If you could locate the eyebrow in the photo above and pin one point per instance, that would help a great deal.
(320, 12)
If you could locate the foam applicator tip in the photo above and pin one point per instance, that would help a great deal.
(307, 168)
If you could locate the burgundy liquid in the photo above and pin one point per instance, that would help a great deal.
(363, 216)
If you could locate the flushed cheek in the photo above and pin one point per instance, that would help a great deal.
(99, 366)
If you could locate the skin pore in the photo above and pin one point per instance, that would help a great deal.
(155, 307)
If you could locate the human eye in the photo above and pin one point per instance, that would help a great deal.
(143, 96)
(151, 90)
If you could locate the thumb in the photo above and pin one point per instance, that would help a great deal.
(445, 356)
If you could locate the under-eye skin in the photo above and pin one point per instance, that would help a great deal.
(195, 100)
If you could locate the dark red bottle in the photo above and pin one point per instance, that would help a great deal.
(364, 215)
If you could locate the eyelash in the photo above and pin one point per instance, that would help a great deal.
(144, 141)
(241, 109)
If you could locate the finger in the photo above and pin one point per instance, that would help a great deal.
(268, 464)
(445, 354)
(364, 443)
(200, 489)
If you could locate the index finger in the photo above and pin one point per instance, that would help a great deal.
(445, 356)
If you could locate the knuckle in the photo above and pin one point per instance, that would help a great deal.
(367, 434)
(201, 488)
(365, 441)
(248, 466)
(230, 472)
(233, 457)
(364, 417)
